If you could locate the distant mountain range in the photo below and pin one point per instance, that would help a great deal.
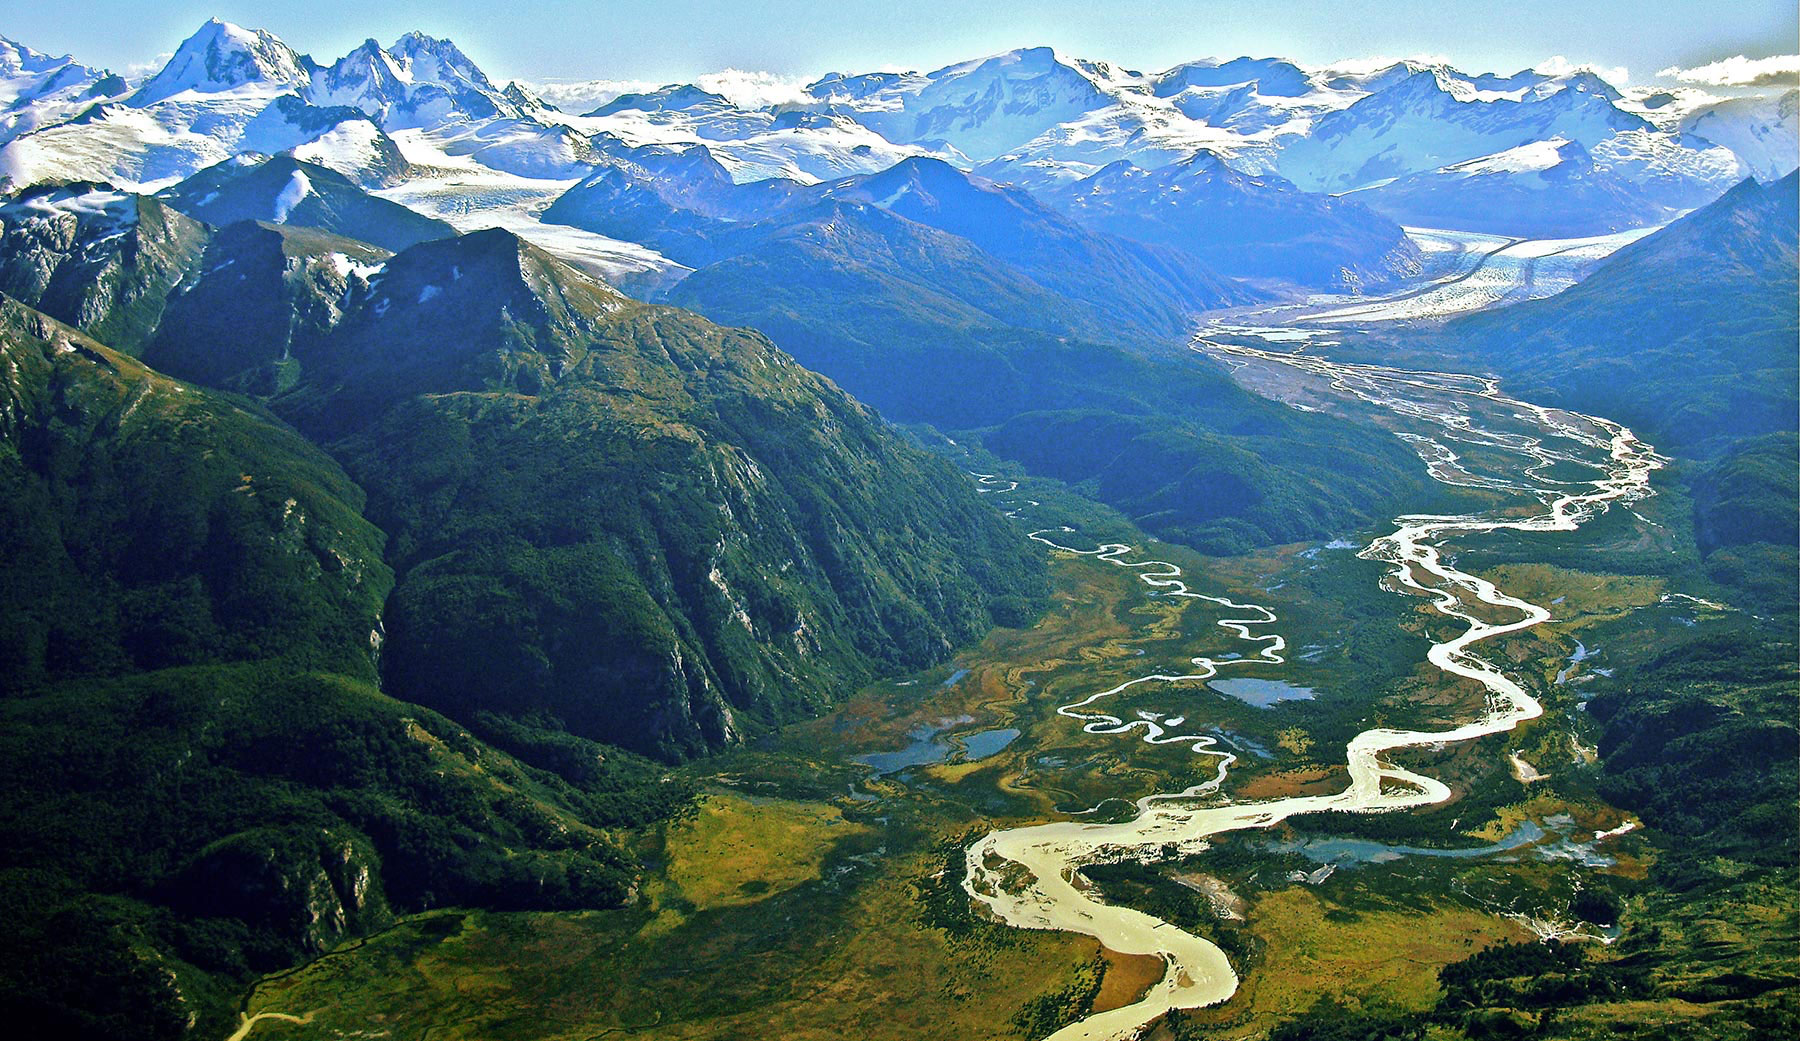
(1526, 153)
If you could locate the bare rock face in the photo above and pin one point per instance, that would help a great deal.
(101, 260)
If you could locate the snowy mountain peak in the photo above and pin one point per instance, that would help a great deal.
(673, 98)
(525, 99)
(420, 80)
(1024, 59)
(368, 70)
(37, 89)
(1271, 77)
(221, 57)
(1374, 80)
(438, 61)
(1586, 82)
(15, 58)
(981, 108)
(1030, 63)
(30, 76)
(841, 86)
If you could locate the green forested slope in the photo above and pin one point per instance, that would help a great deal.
(616, 517)
(150, 524)
(1690, 336)
(552, 512)
(201, 779)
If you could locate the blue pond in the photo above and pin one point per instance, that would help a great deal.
(927, 747)
(1261, 693)
(987, 742)
(1347, 852)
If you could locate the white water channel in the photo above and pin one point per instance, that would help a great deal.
(1029, 877)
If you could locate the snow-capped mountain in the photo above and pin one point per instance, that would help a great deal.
(228, 89)
(137, 145)
(1431, 119)
(1236, 154)
(980, 108)
(753, 144)
(1763, 132)
(418, 82)
(1245, 225)
(1271, 77)
(222, 57)
(37, 89)
(225, 89)
(1545, 189)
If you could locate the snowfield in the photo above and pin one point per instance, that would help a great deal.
(470, 196)
(1417, 141)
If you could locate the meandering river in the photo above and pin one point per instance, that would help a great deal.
(1555, 468)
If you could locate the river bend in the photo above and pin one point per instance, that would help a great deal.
(1468, 433)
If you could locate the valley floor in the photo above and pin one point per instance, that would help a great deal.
(816, 890)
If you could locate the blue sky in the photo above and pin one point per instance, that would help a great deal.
(669, 40)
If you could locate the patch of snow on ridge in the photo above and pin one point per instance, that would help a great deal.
(469, 196)
(1527, 158)
(349, 146)
(346, 266)
(298, 188)
(96, 203)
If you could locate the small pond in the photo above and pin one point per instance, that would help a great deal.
(1261, 693)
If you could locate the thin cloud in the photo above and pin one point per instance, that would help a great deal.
(743, 88)
(747, 89)
(1781, 70)
(585, 95)
(1559, 66)
(139, 71)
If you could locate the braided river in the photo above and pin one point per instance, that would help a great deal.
(1551, 469)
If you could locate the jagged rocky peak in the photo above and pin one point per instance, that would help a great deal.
(419, 80)
(438, 60)
(525, 99)
(369, 68)
(16, 57)
(221, 57)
